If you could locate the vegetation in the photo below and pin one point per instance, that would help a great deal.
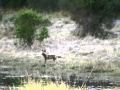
(26, 23)
(79, 70)
(32, 85)
(48, 5)
(91, 14)
(43, 34)
(12, 3)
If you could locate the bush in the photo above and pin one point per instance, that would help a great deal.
(93, 14)
(43, 34)
(25, 24)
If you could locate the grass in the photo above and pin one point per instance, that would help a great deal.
(104, 67)
(100, 66)
(40, 85)
(82, 68)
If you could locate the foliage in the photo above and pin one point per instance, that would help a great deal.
(92, 14)
(13, 3)
(25, 24)
(43, 34)
(43, 4)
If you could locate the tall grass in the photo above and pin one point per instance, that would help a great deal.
(33, 85)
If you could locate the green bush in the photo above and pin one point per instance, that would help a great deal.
(25, 24)
(43, 34)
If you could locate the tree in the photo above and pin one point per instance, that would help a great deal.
(93, 14)
(43, 4)
(13, 3)
(26, 23)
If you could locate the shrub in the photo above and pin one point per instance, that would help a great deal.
(25, 24)
(43, 34)
(93, 14)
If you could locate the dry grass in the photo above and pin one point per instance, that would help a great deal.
(33, 85)
(98, 66)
